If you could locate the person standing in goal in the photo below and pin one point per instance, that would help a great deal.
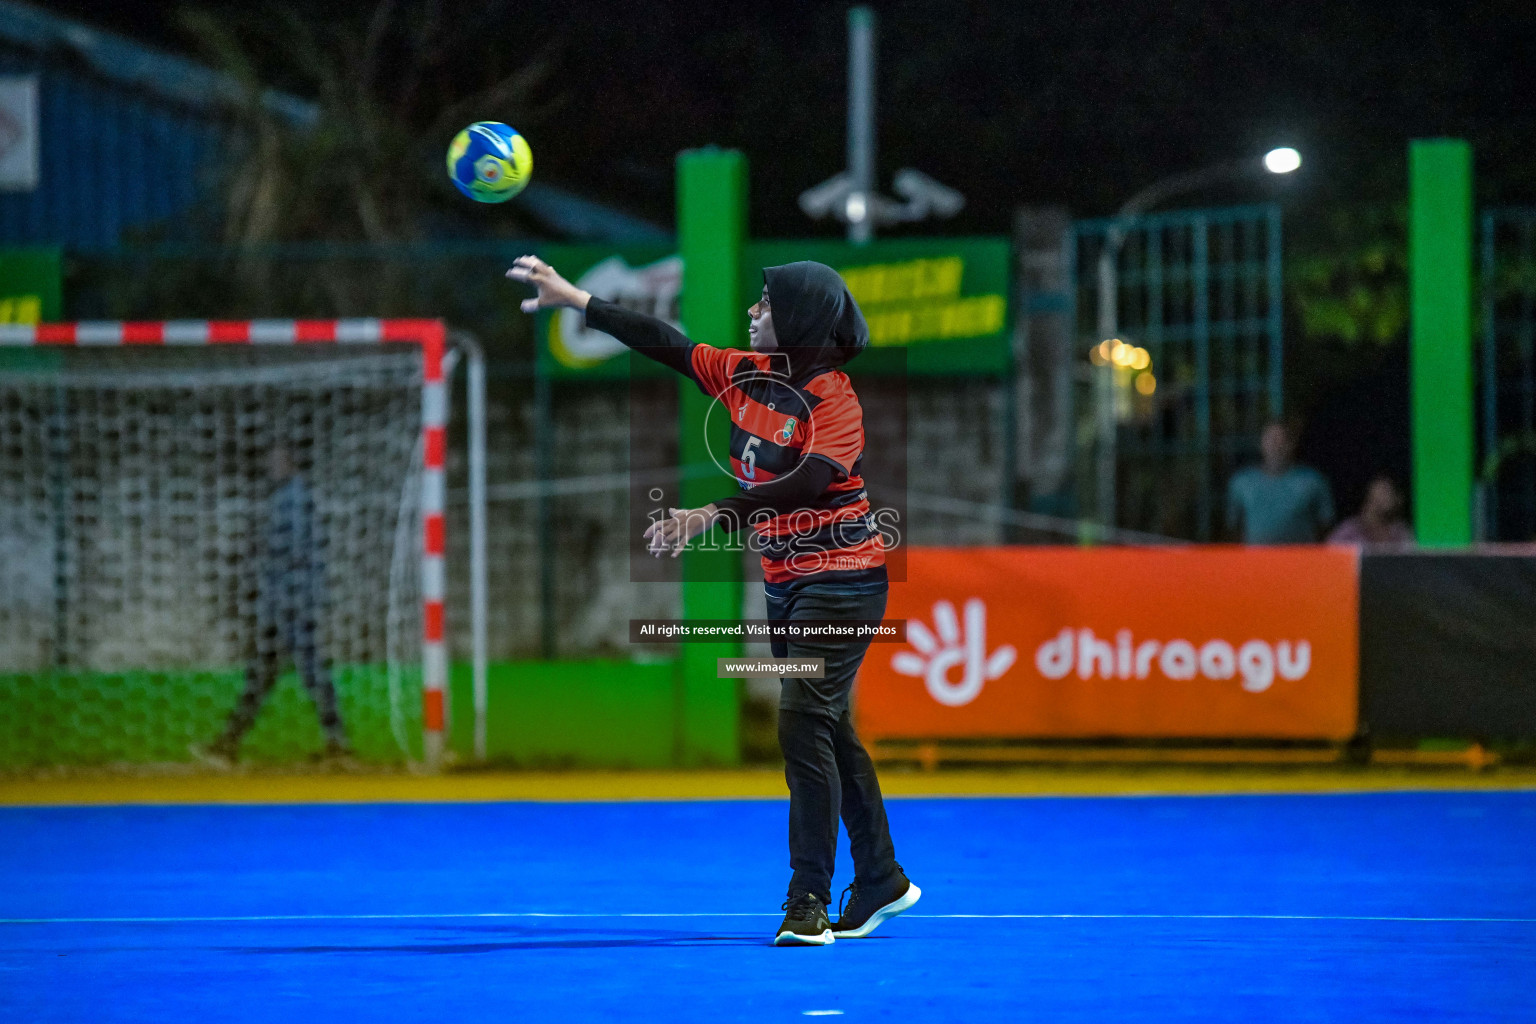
(797, 440)
(290, 593)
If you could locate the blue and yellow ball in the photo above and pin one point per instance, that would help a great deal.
(489, 162)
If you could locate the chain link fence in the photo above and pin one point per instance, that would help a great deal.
(1507, 375)
(557, 451)
(1199, 292)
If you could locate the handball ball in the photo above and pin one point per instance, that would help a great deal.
(490, 162)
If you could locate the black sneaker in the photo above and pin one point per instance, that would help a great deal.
(805, 924)
(868, 906)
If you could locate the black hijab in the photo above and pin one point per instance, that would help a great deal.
(816, 320)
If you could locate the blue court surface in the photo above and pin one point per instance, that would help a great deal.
(1341, 907)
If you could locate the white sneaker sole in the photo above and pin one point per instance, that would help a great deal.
(826, 938)
(885, 913)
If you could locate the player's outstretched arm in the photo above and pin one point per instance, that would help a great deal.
(672, 534)
(554, 291)
(782, 496)
(645, 334)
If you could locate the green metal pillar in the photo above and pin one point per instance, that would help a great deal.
(1440, 345)
(711, 226)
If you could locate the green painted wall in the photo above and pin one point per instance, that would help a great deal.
(578, 713)
(610, 714)
(76, 718)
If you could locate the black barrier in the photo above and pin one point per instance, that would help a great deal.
(1448, 645)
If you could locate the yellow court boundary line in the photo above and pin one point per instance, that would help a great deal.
(752, 783)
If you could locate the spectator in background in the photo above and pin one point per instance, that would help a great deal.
(1380, 522)
(1278, 502)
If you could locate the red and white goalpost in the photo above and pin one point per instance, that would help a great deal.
(186, 391)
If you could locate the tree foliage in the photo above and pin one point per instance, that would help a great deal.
(389, 90)
(1347, 276)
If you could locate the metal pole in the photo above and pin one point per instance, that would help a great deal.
(59, 485)
(434, 742)
(1487, 519)
(1104, 381)
(1202, 275)
(475, 388)
(1010, 475)
(1276, 311)
(861, 124)
(711, 229)
(543, 455)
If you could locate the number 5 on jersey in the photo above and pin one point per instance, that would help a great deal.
(749, 457)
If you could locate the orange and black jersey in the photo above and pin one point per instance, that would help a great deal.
(797, 444)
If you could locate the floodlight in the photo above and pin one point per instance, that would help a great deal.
(1282, 161)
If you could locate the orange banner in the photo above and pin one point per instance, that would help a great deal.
(1113, 642)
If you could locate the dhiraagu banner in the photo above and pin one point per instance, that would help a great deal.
(942, 301)
(1026, 643)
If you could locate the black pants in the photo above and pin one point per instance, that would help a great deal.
(286, 629)
(829, 772)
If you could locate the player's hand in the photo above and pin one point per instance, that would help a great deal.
(554, 290)
(681, 526)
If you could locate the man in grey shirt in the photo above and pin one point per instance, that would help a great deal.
(1278, 502)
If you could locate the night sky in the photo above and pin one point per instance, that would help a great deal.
(1021, 103)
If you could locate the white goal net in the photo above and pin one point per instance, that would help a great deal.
(211, 549)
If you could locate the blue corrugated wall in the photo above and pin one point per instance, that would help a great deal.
(116, 163)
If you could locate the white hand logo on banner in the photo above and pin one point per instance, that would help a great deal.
(952, 647)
